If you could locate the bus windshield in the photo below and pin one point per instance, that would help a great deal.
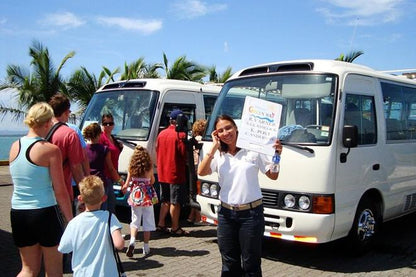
(133, 112)
(307, 104)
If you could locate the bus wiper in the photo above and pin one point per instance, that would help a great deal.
(126, 142)
(298, 146)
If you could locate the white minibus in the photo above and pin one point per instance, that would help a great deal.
(141, 109)
(349, 149)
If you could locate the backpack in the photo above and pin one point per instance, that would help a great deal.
(50, 134)
(52, 131)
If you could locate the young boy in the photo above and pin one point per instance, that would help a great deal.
(87, 235)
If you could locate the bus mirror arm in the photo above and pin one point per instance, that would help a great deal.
(343, 157)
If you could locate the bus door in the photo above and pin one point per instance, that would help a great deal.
(361, 168)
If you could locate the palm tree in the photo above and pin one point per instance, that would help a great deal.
(350, 57)
(182, 69)
(222, 78)
(35, 86)
(140, 69)
(82, 85)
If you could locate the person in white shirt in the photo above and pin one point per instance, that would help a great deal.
(240, 217)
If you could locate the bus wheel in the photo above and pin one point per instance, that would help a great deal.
(365, 228)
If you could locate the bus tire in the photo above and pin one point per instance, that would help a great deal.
(366, 226)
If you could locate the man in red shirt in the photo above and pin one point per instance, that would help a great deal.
(171, 170)
(68, 141)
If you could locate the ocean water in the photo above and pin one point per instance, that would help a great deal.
(5, 143)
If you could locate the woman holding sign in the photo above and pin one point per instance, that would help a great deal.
(240, 217)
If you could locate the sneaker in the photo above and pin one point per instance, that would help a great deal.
(146, 250)
(130, 250)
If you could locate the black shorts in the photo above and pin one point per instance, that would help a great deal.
(43, 226)
(173, 193)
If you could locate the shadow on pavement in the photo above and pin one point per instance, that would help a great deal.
(396, 248)
(146, 262)
(9, 255)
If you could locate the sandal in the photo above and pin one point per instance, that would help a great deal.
(179, 232)
(162, 229)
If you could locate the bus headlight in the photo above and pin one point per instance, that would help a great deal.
(210, 189)
(304, 202)
(213, 190)
(290, 201)
(205, 189)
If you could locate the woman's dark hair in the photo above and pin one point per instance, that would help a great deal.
(106, 115)
(224, 146)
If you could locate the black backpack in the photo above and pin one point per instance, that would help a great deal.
(50, 134)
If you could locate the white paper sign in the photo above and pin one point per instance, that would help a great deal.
(259, 125)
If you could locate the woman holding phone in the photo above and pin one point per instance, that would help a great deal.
(240, 216)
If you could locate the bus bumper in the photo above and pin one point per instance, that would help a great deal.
(281, 224)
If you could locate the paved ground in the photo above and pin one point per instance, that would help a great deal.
(197, 255)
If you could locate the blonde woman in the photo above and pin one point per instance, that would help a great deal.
(38, 186)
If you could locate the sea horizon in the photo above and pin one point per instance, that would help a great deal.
(12, 133)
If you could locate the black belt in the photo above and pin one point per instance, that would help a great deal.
(243, 207)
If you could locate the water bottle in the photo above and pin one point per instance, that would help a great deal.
(276, 160)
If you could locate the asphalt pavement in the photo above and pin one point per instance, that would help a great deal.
(198, 255)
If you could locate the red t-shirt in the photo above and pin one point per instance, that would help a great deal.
(68, 141)
(171, 156)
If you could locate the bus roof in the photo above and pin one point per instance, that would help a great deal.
(161, 85)
(316, 65)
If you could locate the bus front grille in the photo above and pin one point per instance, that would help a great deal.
(270, 198)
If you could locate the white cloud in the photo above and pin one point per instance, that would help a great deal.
(3, 20)
(226, 47)
(189, 9)
(66, 20)
(358, 12)
(143, 26)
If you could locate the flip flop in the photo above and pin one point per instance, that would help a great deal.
(162, 229)
(179, 232)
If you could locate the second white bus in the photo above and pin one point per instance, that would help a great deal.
(349, 158)
(141, 109)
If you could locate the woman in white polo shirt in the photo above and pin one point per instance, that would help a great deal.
(240, 217)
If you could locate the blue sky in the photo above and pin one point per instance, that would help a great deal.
(233, 33)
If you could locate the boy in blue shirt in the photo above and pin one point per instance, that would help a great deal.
(87, 235)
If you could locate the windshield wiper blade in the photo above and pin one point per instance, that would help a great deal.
(298, 146)
(126, 141)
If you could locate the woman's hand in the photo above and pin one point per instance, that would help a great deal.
(278, 146)
(124, 188)
(215, 139)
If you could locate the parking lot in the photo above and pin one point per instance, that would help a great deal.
(197, 254)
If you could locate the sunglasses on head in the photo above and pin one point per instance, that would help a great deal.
(108, 123)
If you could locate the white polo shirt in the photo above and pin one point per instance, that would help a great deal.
(238, 175)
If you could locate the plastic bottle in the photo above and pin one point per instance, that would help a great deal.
(276, 160)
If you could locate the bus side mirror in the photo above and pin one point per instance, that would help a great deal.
(350, 136)
(349, 140)
(181, 123)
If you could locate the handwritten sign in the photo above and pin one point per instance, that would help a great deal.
(259, 125)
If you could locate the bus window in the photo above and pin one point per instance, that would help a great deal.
(359, 111)
(399, 111)
(209, 102)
